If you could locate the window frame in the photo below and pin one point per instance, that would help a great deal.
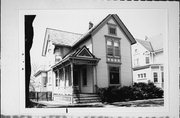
(156, 77)
(113, 39)
(109, 79)
(112, 26)
(162, 76)
(147, 57)
(107, 47)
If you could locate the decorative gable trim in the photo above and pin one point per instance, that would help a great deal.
(118, 23)
(84, 52)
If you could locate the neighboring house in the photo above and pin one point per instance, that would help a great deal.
(82, 63)
(147, 58)
(41, 81)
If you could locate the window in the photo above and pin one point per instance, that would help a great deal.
(113, 47)
(155, 75)
(57, 58)
(112, 30)
(147, 60)
(109, 47)
(84, 76)
(144, 75)
(45, 81)
(56, 74)
(162, 75)
(116, 48)
(114, 75)
(139, 75)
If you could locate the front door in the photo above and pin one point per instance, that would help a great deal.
(76, 78)
(86, 80)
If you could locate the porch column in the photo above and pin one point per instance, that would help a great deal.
(72, 82)
(72, 75)
(64, 73)
(95, 79)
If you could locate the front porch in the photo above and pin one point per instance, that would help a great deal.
(75, 75)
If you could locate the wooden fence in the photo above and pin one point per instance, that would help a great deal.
(40, 96)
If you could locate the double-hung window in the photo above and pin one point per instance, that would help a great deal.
(116, 48)
(114, 75)
(113, 47)
(112, 29)
(147, 60)
(155, 75)
(110, 47)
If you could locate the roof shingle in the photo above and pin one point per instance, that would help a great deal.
(60, 37)
(152, 44)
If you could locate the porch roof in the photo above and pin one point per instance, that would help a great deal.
(78, 56)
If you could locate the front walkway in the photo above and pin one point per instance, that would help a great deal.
(138, 103)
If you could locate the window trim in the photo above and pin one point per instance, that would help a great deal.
(156, 77)
(147, 57)
(113, 40)
(114, 27)
(108, 68)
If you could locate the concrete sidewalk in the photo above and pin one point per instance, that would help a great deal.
(137, 103)
(63, 104)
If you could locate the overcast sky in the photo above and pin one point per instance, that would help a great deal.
(140, 22)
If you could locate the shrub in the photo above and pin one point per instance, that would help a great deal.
(138, 91)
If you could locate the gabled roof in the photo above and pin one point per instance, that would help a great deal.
(83, 52)
(152, 44)
(96, 28)
(146, 44)
(39, 72)
(77, 55)
(59, 37)
(77, 52)
(63, 38)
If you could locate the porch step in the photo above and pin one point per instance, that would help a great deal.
(86, 98)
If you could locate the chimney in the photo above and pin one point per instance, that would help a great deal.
(90, 25)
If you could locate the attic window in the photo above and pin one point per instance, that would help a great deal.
(112, 30)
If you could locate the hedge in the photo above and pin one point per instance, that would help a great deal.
(138, 91)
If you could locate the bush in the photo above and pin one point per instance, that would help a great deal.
(138, 91)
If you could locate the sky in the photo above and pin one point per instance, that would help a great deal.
(140, 23)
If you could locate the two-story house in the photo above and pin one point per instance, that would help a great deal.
(147, 58)
(81, 63)
(41, 81)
